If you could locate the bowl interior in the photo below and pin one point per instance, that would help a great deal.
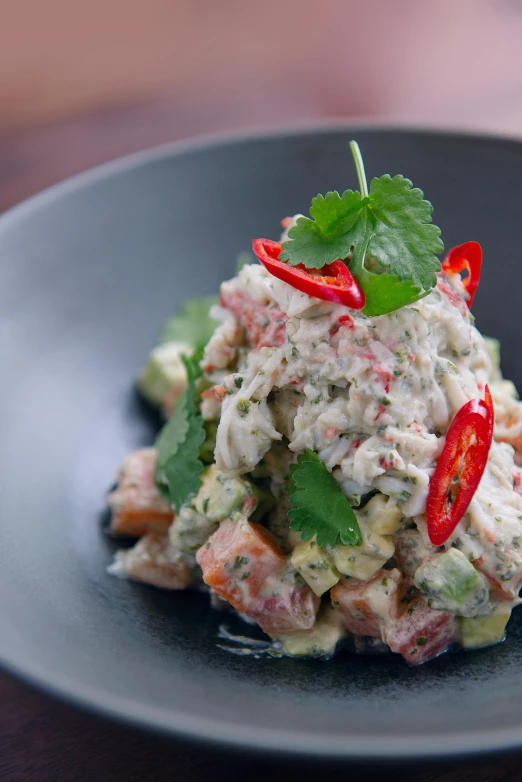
(88, 272)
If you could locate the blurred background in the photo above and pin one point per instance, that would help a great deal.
(84, 82)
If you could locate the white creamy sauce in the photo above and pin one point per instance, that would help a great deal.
(373, 397)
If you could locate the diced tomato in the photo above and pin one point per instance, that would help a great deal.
(137, 507)
(421, 633)
(357, 601)
(264, 326)
(152, 561)
(243, 564)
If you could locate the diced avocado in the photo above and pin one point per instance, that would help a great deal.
(484, 630)
(315, 567)
(222, 495)
(190, 530)
(449, 582)
(206, 452)
(363, 561)
(493, 350)
(319, 641)
(381, 514)
(164, 371)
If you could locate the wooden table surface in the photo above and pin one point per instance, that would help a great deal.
(42, 740)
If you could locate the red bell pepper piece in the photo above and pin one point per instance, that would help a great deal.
(460, 467)
(331, 283)
(465, 257)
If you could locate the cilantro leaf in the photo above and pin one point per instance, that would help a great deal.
(392, 220)
(403, 237)
(179, 468)
(318, 505)
(192, 324)
(384, 292)
(326, 237)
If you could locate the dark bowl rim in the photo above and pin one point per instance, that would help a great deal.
(220, 734)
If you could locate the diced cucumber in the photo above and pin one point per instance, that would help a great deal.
(315, 567)
(381, 514)
(164, 371)
(449, 582)
(320, 641)
(484, 630)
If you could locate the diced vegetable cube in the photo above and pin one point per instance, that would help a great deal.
(381, 514)
(449, 582)
(190, 530)
(238, 559)
(164, 374)
(154, 561)
(484, 630)
(315, 567)
(421, 633)
(363, 561)
(320, 640)
(244, 565)
(366, 607)
(137, 507)
(284, 605)
(222, 495)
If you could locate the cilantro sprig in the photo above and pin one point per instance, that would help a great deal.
(192, 323)
(385, 235)
(179, 467)
(318, 505)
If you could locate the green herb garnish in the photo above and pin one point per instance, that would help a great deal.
(192, 324)
(179, 468)
(318, 505)
(384, 234)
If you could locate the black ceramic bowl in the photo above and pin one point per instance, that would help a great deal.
(88, 272)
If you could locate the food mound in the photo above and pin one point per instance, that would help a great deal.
(340, 460)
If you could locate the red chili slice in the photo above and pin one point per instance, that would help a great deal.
(331, 283)
(465, 257)
(460, 467)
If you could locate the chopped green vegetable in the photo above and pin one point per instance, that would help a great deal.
(318, 505)
(179, 468)
(192, 323)
(389, 231)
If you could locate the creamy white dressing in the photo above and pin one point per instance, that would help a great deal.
(374, 398)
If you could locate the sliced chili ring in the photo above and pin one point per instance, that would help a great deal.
(465, 257)
(333, 282)
(460, 467)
